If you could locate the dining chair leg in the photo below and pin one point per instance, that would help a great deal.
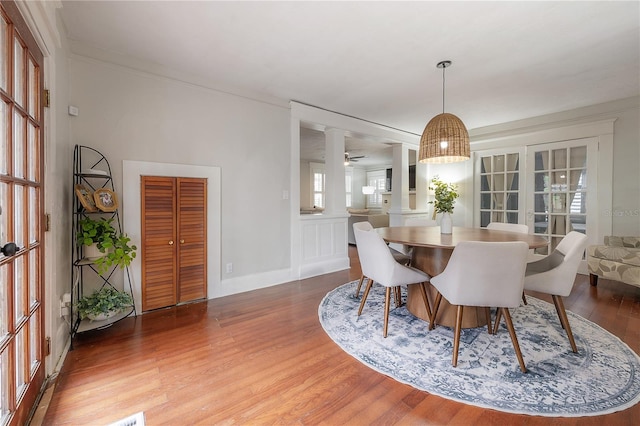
(496, 324)
(436, 305)
(425, 299)
(397, 292)
(562, 313)
(387, 302)
(555, 303)
(487, 313)
(514, 339)
(524, 298)
(456, 337)
(362, 277)
(364, 296)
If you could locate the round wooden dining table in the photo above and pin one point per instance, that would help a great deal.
(431, 251)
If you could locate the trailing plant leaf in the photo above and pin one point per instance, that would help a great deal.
(116, 248)
(102, 301)
(119, 252)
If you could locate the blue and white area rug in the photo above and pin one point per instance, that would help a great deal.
(603, 377)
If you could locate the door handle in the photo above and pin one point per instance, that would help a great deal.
(171, 242)
(9, 249)
(181, 241)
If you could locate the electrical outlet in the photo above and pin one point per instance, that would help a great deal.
(229, 268)
(64, 309)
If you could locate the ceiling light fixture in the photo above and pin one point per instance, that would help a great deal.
(445, 138)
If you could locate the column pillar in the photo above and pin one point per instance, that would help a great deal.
(335, 193)
(399, 185)
(422, 187)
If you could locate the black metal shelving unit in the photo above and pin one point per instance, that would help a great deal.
(92, 170)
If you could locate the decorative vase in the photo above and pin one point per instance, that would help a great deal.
(446, 224)
(92, 252)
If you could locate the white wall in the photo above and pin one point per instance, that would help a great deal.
(626, 172)
(131, 115)
(58, 201)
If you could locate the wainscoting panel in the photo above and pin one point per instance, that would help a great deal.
(324, 245)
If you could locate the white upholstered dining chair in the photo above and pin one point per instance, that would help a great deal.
(556, 273)
(483, 274)
(379, 265)
(402, 258)
(511, 227)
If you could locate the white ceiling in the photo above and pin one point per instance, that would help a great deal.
(377, 60)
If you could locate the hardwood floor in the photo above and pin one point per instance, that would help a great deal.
(263, 358)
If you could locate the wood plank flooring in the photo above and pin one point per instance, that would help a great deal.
(262, 358)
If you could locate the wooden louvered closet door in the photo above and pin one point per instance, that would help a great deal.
(192, 239)
(174, 235)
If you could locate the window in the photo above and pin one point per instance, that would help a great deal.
(317, 184)
(348, 183)
(378, 180)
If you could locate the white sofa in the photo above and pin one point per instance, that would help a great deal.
(377, 220)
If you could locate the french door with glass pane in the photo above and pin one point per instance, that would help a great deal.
(500, 185)
(558, 198)
(548, 191)
(21, 205)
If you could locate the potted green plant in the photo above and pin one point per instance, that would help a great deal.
(92, 234)
(445, 197)
(103, 303)
(113, 248)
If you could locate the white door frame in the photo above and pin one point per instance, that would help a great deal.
(592, 190)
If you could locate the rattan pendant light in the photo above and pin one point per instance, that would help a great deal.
(445, 139)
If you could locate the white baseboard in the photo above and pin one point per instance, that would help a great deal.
(252, 282)
(320, 268)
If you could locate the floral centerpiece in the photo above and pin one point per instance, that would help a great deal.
(445, 198)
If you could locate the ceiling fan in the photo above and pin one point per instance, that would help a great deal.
(348, 158)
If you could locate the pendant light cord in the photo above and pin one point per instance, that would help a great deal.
(443, 68)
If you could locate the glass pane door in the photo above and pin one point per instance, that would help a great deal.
(558, 196)
(21, 201)
(499, 188)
